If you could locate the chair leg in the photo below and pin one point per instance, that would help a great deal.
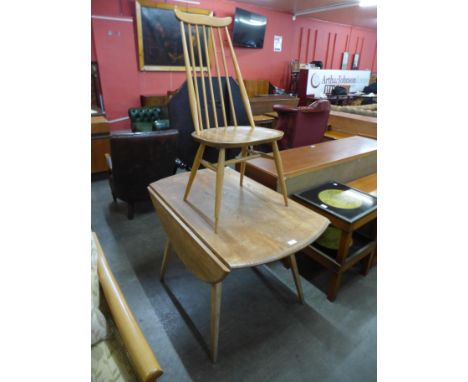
(219, 185)
(297, 279)
(279, 170)
(195, 166)
(165, 261)
(244, 153)
(215, 313)
(114, 197)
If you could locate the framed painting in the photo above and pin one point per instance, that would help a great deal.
(355, 65)
(344, 61)
(159, 37)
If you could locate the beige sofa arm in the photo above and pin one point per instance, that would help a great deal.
(141, 356)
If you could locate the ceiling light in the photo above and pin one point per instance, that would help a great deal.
(188, 2)
(368, 3)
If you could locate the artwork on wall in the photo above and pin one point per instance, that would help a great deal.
(355, 61)
(344, 61)
(277, 43)
(97, 103)
(159, 38)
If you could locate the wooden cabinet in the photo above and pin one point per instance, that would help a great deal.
(264, 104)
(100, 143)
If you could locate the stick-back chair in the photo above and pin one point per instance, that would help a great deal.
(221, 136)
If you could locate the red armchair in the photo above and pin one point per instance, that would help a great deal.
(302, 125)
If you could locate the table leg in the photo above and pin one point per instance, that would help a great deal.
(297, 279)
(335, 279)
(366, 263)
(215, 313)
(279, 171)
(165, 261)
(219, 185)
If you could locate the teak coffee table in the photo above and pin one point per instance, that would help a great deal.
(257, 228)
(345, 257)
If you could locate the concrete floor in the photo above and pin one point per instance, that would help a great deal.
(265, 335)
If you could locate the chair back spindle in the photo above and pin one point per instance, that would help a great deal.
(215, 54)
(207, 56)
(195, 72)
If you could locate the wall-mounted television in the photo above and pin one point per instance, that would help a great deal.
(249, 29)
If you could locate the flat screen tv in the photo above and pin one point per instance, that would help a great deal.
(249, 29)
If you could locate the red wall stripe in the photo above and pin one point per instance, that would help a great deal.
(300, 44)
(373, 68)
(326, 53)
(315, 44)
(307, 47)
(333, 51)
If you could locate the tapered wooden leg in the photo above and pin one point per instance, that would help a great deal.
(195, 166)
(215, 313)
(335, 279)
(279, 170)
(165, 261)
(366, 263)
(297, 279)
(334, 285)
(244, 153)
(219, 185)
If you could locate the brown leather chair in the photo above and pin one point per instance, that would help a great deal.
(139, 159)
(302, 125)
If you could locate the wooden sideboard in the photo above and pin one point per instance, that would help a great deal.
(353, 124)
(305, 167)
(100, 143)
(153, 100)
(256, 87)
(264, 104)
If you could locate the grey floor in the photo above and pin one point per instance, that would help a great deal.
(265, 335)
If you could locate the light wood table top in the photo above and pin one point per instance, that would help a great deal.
(366, 184)
(257, 227)
(304, 159)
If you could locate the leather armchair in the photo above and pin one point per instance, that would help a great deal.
(302, 125)
(139, 159)
(149, 118)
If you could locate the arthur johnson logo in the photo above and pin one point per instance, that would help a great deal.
(315, 80)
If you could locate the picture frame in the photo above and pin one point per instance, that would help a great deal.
(344, 61)
(355, 65)
(159, 37)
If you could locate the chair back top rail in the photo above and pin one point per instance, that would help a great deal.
(197, 19)
(194, 70)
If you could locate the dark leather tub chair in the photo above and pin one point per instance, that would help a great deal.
(139, 159)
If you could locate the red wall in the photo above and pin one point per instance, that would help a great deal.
(114, 47)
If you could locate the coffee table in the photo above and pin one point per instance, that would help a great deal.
(347, 254)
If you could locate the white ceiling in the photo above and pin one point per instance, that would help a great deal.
(347, 12)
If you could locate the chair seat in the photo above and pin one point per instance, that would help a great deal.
(236, 136)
